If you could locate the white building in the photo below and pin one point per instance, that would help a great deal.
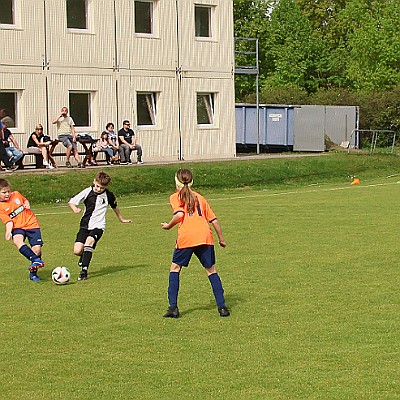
(166, 65)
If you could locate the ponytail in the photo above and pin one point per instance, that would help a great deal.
(183, 180)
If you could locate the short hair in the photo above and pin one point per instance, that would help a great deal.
(125, 121)
(4, 183)
(109, 124)
(103, 178)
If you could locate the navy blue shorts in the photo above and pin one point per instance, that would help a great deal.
(83, 233)
(205, 253)
(34, 235)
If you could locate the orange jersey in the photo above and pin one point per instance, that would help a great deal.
(193, 229)
(14, 210)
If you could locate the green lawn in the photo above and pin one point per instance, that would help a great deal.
(311, 275)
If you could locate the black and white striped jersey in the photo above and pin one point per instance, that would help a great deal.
(94, 215)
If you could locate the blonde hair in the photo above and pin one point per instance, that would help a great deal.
(186, 195)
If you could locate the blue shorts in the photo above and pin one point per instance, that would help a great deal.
(205, 253)
(34, 235)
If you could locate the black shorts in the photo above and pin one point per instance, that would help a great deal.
(83, 233)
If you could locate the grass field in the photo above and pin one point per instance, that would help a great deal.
(311, 275)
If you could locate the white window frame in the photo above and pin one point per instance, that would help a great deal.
(209, 99)
(81, 128)
(88, 20)
(15, 17)
(210, 21)
(151, 100)
(152, 17)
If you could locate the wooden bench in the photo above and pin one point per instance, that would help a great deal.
(87, 143)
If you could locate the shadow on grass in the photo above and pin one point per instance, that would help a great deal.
(114, 269)
(94, 274)
(231, 301)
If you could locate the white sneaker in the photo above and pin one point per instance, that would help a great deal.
(45, 163)
(48, 166)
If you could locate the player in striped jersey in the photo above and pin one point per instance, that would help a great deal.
(96, 199)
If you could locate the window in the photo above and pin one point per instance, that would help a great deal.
(144, 16)
(146, 108)
(205, 108)
(7, 12)
(77, 14)
(8, 109)
(202, 17)
(80, 108)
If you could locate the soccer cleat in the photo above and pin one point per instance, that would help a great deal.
(80, 165)
(33, 276)
(38, 263)
(172, 313)
(139, 162)
(224, 311)
(68, 164)
(83, 275)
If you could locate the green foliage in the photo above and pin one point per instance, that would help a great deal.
(338, 52)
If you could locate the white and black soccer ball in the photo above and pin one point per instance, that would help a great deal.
(60, 275)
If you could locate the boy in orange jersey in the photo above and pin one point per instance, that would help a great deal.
(194, 216)
(21, 223)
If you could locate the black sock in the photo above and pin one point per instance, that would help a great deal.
(86, 257)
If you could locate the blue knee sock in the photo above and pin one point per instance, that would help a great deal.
(27, 252)
(217, 288)
(173, 289)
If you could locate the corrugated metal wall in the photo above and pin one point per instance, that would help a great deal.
(43, 61)
(303, 127)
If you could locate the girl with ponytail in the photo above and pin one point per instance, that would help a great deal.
(193, 215)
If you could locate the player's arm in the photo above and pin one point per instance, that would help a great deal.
(175, 220)
(120, 217)
(74, 208)
(218, 231)
(9, 226)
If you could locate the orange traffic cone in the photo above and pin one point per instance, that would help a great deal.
(356, 181)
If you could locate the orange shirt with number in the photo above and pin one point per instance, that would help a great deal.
(193, 229)
(13, 210)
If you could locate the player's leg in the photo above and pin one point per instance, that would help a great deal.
(32, 254)
(173, 290)
(80, 243)
(88, 247)
(181, 258)
(206, 256)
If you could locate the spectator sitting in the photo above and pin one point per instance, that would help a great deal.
(37, 145)
(127, 144)
(113, 140)
(3, 155)
(67, 136)
(104, 144)
(14, 152)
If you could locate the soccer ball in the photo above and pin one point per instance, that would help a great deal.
(60, 275)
